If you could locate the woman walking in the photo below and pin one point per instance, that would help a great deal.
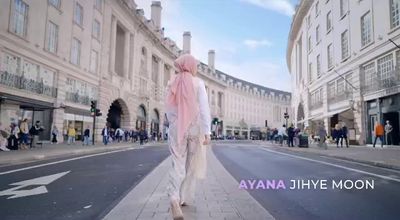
(189, 119)
(54, 133)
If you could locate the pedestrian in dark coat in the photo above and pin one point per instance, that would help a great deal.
(290, 132)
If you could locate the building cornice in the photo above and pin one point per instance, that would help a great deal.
(297, 21)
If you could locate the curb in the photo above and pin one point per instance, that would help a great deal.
(37, 157)
(367, 162)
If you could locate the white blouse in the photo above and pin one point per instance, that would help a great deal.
(204, 120)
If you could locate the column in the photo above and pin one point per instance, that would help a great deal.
(127, 49)
(113, 43)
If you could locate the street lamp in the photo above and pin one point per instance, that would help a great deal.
(286, 116)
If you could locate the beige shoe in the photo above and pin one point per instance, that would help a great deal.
(176, 211)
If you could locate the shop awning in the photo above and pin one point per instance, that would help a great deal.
(26, 103)
(331, 113)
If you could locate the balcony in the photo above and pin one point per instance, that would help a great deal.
(20, 82)
(334, 98)
(76, 98)
(377, 81)
(316, 105)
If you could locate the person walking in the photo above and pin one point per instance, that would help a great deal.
(281, 134)
(106, 134)
(189, 129)
(379, 132)
(388, 133)
(71, 135)
(24, 129)
(290, 133)
(322, 136)
(337, 134)
(54, 133)
(86, 136)
(141, 136)
(345, 131)
(13, 138)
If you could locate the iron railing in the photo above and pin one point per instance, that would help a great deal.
(377, 81)
(345, 95)
(20, 82)
(316, 105)
(76, 98)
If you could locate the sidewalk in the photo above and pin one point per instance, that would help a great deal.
(217, 197)
(50, 151)
(386, 157)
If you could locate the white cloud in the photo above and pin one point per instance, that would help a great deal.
(253, 44)
(281, 6)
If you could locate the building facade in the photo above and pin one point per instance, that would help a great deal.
(57, 56)
(344, 66)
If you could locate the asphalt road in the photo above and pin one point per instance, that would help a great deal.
(252, 162)
(86, 188)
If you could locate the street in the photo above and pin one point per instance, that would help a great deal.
(247, 161)
(92, 186)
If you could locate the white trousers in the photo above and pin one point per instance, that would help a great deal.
(182, 176)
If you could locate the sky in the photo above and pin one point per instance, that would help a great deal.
(249, 36)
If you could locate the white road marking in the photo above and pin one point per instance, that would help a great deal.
(44, 180)
(66, 160)
(334, 165)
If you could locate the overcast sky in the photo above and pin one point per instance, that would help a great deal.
(249, 36)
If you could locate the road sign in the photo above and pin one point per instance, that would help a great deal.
(17, 192)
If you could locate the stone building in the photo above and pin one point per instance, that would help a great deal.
(344, 66)
(59, 55)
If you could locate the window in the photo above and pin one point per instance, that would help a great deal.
(19, 21)
(309, 43)
(369, 73)
(331, 90)
(317, 37)
(308, 21)
(310, 73)
(394, 13)
(330, 56)
(93, 61)
(52, 37)
(340, 86)
(55, 3)
(316, 9)
(385, 69)
(345, 44)
(98, 4)
(328, 22)
(343, 7)
(318, 65)
(366, 29)
(75, 51)
(78, 14)
(96, 29)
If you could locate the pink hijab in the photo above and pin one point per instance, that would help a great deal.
(182, 94)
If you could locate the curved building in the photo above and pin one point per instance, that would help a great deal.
(344, 66)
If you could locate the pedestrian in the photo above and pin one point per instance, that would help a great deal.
(337, 135)
(344, 135)
(189, 129)
(34, 132)
(322, 135)
(141, 136)
(24, 129)
(86, 136)
(13, 137)
(54, 133)
(4, 134)
(297, 137)
(126, 135)
(106, 134)
(388, 132)
(379, 132)
(281, 134)
(71, 134)
(290, 133)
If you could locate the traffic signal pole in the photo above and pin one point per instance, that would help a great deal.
(94, 127)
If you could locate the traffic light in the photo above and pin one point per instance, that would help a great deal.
(98, 113)
(215, 121)
(92, 106)
(286, 115)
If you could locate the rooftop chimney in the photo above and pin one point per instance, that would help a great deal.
(186, 42)
(211, 60)
(156, 14)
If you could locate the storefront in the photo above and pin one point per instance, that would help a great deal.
(382, 110)
(14, 109)
(79, 120)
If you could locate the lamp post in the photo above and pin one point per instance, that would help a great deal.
(286, 116)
